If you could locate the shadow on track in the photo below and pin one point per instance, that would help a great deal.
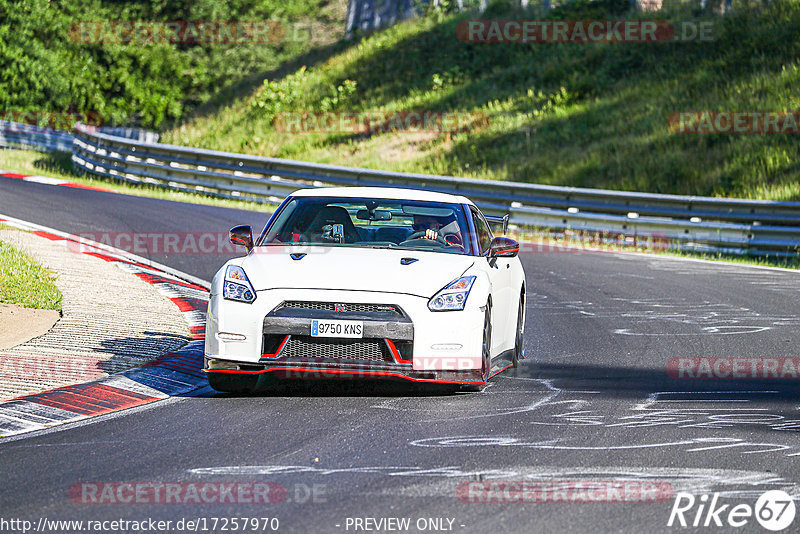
(360, 387)
(639, 383)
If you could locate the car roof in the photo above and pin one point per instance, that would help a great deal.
(394, 193)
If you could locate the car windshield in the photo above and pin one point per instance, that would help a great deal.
(371, 222)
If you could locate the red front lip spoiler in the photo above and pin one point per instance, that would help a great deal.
(352, 372)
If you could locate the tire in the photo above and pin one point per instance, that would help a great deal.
(519, 342)
(233, 382)
(486, 351)
(486, 346)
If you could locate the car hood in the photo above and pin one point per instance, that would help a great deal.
(351, 268)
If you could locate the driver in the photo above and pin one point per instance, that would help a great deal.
(439, 228)
(428, 224)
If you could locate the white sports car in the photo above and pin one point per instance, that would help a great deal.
(367, 282)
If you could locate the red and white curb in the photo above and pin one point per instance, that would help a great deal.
(49, 181)
(177, 373)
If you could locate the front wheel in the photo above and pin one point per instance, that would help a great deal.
(486, 346)
(486, 351)
(519, 342)
(233, 382)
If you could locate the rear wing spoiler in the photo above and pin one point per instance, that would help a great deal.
(493, 219)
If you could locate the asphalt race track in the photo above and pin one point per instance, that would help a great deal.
(593, 401)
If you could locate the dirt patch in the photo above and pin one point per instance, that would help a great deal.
(18, 325)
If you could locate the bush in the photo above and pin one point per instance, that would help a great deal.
(46, 67)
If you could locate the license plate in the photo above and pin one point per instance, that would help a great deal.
(325, 328)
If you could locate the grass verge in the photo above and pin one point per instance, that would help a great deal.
(571, 114)
(25, 282)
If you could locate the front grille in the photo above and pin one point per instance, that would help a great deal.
(373, 350)
(330, 306)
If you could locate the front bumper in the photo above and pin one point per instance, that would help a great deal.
(410, 343)
(341, 370)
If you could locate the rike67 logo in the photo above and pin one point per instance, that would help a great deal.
(774, 510)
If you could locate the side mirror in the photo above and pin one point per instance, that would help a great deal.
(503, 247)
(242, 236)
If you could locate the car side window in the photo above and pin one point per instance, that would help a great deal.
(482, 227)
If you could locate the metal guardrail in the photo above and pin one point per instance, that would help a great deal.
(736, 226)
(20, 135)
(17, 135)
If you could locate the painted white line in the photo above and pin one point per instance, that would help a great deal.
(45, 180)
(126, 384)
(11, 427)
(35, 412)
(194, 317)
(173, 291)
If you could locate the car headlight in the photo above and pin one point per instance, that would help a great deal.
(453, 296)
(236, 286)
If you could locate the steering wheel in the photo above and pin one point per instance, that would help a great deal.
(420, 236)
